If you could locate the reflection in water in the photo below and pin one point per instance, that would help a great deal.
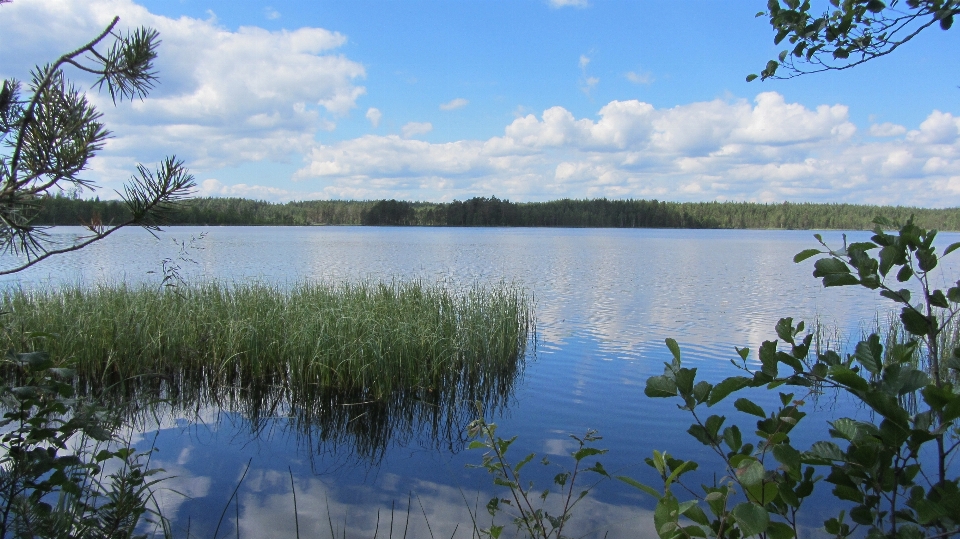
(606, 299)
(347, 424)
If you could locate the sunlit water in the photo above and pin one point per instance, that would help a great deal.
(605, 301)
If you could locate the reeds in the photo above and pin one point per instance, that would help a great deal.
(353, 356)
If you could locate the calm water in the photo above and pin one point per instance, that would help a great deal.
(605, 302)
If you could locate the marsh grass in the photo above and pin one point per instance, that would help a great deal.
(362, 361)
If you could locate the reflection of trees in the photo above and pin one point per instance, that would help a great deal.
(345, 423)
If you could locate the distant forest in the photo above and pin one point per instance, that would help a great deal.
(597, 213)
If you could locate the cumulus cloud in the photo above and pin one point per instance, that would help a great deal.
(215, 188)
(374, 115)
(639, 78)
(413, 129)
(224, 97)
(454, 104)
(887, 129)
(764, 150)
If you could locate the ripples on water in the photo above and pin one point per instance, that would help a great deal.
(605, 301)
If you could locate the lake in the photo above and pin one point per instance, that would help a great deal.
(605, 301)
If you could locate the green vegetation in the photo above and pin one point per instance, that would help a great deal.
(895, 486)
(355, 366)
(52, 133)
(375, 339)
(63, 471)
(530, 514)
(847, 33)
(60, 210)
(893, 476)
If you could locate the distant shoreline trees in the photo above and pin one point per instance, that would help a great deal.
(480, 211)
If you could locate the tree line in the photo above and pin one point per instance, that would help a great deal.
(481, 211)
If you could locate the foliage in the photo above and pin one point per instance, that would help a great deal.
(848, 32)
(894, 484)
(354, 365)
(51, 133)
(63, 473)
(493, 211)
(532, 516)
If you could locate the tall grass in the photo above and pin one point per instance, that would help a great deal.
(892, 333)
(361, 358)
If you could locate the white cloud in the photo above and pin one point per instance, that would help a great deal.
(457, 103)
(767, 150)
(569, 3)
(887, 129)
(587, 82)
(224, 97)
(413, 129)
(271, 13)
(216, 188)
(639, 78)
(374, 115)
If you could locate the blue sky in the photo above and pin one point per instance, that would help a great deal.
(526, 100)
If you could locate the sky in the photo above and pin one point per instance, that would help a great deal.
(526, 100)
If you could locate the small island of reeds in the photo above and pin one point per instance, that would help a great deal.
(316, 348)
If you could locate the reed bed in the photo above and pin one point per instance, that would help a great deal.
(368, 340)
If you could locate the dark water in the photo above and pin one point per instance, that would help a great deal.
(605, 302)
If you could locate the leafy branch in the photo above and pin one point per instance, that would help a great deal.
(53, 132)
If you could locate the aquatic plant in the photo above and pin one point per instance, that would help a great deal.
(353, 365)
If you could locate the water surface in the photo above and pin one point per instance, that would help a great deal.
(605, 301)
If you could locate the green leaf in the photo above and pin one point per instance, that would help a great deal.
(784, 329)
(929, 511)
(807, 253)
(951, 248)
(731, 435)
(751, 77)
(726, 387)
(840, 279)
(750, 472)
(826, 450)
(701, 391)
(674, 349)
(684, 380)
(914, 322)
(780, 530)
(937, 299)
(845, 376)
(904, 274)
(829, 266)
(751, 518)
(900, 296)
(861, 515)
(788, 456)
(953, 294)
(713, 424)
(585, 452)
(749, 407)
(660, 386)
(701, 434)
(696, 514)
(638, 485)
(869, 353)
(523, 462)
